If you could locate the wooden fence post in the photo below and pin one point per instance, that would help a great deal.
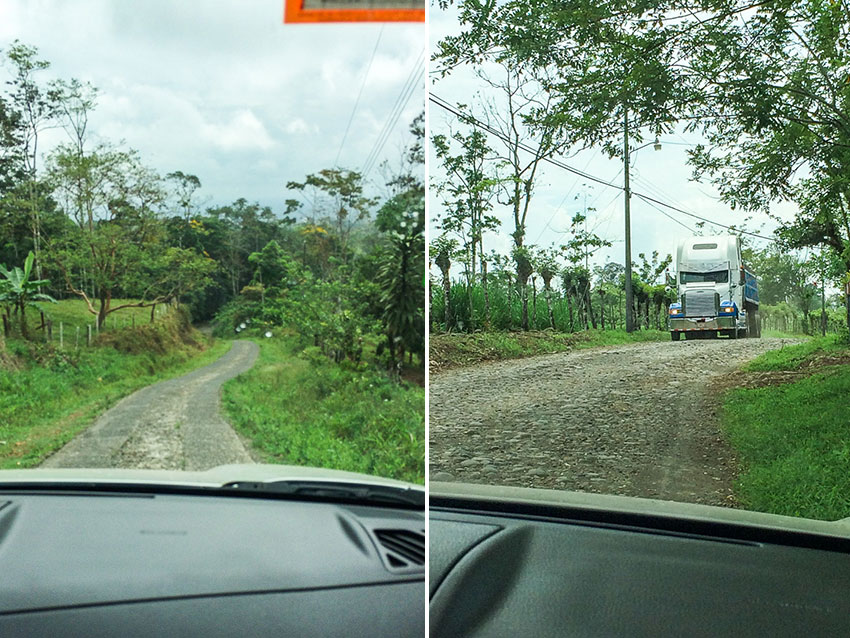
(77, 339)
(61, 335)
(88, 337)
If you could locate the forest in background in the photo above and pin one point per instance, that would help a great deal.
(765, 87)
(90, 220)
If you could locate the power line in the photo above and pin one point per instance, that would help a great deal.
(395, 113)
(669, 216)
(357, 101)
(445, 105)
(569, 192)
(646, 198)
(399, 105)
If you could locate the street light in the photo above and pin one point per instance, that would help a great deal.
(630, 320)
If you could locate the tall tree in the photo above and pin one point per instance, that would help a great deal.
(337, 195)
(36, 108)
(467, 194)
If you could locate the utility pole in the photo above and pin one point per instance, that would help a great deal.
(630, 324)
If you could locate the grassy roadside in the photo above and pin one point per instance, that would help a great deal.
(73, 312)
(299, 408)
(52, 395)
(454, 350)
(793, 438)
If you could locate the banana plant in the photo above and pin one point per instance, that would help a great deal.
(19, 291)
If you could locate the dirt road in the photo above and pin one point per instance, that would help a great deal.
(172, 424)
(635, 420)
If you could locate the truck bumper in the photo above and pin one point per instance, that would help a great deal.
(702, 324)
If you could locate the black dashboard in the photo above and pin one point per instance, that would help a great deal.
(554, 568)
(140, 563)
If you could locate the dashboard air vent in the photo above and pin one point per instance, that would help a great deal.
(404, 548)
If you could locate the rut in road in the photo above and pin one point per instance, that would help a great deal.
(634, 420)
(174, 424)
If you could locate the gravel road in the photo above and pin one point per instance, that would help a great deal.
(636, 420)
(172, 425)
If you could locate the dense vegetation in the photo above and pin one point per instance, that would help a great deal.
(299, 408)
(765, 85)
(794, 298)
(340, 265)
(93, 239)
(791, 437)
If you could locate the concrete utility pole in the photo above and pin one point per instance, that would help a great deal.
(630, 324)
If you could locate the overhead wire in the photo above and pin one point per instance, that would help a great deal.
(392, 117)
(403, 98)
(359, 94)
(569, 192)
(669, 216)
(445, 105)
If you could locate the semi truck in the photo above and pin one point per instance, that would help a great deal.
(715, 293)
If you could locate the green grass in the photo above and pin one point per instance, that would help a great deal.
(793, 356)
(779, 334)
(793, 442)
(465, 349)
(302, 409)
(74, 312)
(54, 394)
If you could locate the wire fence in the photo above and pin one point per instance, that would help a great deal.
(66, 334)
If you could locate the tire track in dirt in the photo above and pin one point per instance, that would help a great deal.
(634, 420)
(174, 424)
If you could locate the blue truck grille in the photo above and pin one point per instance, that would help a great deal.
(701, 303)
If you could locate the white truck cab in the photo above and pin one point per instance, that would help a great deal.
(716, 295)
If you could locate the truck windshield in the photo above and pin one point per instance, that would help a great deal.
(718, 277)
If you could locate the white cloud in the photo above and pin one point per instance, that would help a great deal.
(211, 87)
(243, 132)
(296, 126)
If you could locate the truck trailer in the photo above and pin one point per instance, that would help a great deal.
(715, 293)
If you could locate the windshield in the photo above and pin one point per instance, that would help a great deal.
(719, 277)
(566, 179)
(211, 238)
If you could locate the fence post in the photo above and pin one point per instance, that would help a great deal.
(88, 337)
(97, 324)
(77, 339)
(61, 335)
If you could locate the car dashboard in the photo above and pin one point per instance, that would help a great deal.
(126, 563)
(532, 563)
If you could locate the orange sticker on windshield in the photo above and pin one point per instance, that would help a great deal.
(354, 11)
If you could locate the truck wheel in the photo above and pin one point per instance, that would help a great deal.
(675, 336)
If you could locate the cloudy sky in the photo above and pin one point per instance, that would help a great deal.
(224, 90)
(662, 174)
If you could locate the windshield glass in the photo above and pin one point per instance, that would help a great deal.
(566, 179)
(719, 277)
(211, 238)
